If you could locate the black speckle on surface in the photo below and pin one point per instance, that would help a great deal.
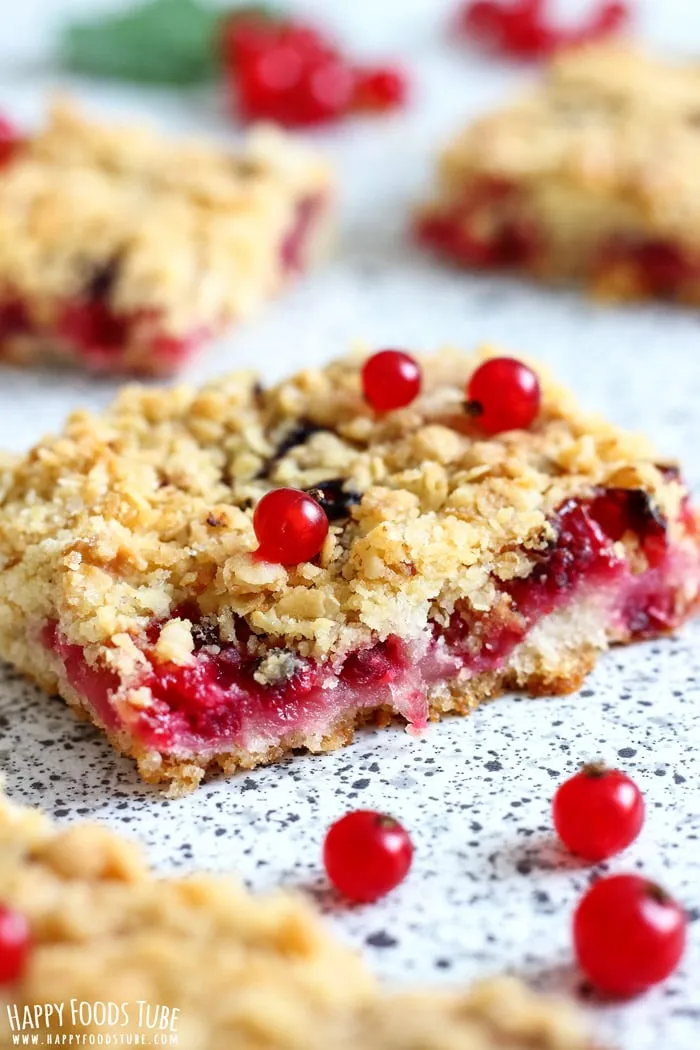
(381, 939)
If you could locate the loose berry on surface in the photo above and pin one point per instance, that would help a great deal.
(366, 855)
(598, 812)
(14, 945)
(503, 394)
(628, 935)
(391, 379)
(290, 526)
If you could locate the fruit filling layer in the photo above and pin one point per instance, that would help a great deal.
(613, 549)
(651, 267)
(485, 228)
(89, 328)
(488, 227)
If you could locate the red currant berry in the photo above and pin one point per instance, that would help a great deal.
(628, 934)
(523, 37)
(503, 394)
(244, 35)
(8, 140)
(290, 526)
(367, 854)
(611, 17)
(324, 92)
(14, 945)
(380, 89)
(598, 812)
(482, 19)
(266, 82)
(391, 379)
(307, 40)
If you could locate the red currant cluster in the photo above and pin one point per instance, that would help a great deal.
(628, 933)
(502, 394)
(521, 27)
(294, 74)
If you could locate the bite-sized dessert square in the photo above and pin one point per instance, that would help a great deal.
(219, 576)
(201, 964)
(588, 177)
(124, 251)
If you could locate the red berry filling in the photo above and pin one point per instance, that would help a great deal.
(521, 28)
(628, 935)
(291, 73)
(102, 338)
(14, 320)
(220, 699)
(294, 248)
(14, 945)
(488, 227)
(485, 228)
(654, 268)
(9, 141)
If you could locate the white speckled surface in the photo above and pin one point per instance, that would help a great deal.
(490, 889)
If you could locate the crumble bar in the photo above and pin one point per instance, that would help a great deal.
(589, 177)
(455, 566)
(254, 973)
(124, 251)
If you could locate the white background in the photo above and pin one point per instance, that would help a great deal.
(490, 890)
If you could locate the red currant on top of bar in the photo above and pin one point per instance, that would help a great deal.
(628, 934)
(503, 394)
(14, 945)
(598, 812)
(391, 379)
(367, 854)
(290, 526)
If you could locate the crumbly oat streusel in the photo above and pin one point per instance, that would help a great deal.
(109, 525)
(254, 973)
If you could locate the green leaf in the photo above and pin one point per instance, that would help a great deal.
(157, 42)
